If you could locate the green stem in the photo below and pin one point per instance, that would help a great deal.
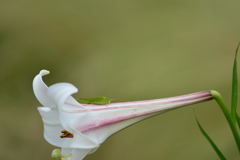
(217, 96)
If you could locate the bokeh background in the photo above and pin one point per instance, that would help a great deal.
(128, 49)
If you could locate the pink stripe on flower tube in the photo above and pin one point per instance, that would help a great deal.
(121, 105)
(130, 110)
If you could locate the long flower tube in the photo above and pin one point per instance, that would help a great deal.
(85, 127)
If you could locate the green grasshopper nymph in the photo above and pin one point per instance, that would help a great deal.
(95, 100)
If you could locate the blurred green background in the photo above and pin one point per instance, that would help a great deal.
(128, 49)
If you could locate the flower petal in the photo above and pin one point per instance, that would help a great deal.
(60, 93)
(52, 126)
(40, 90)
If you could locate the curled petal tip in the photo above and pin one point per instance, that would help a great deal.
(61, 91)
(44, 72)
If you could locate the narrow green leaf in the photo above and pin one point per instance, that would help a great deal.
(238, 120)
(219, 153)
(234, 88)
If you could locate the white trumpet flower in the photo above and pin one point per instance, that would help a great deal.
(85, 127)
